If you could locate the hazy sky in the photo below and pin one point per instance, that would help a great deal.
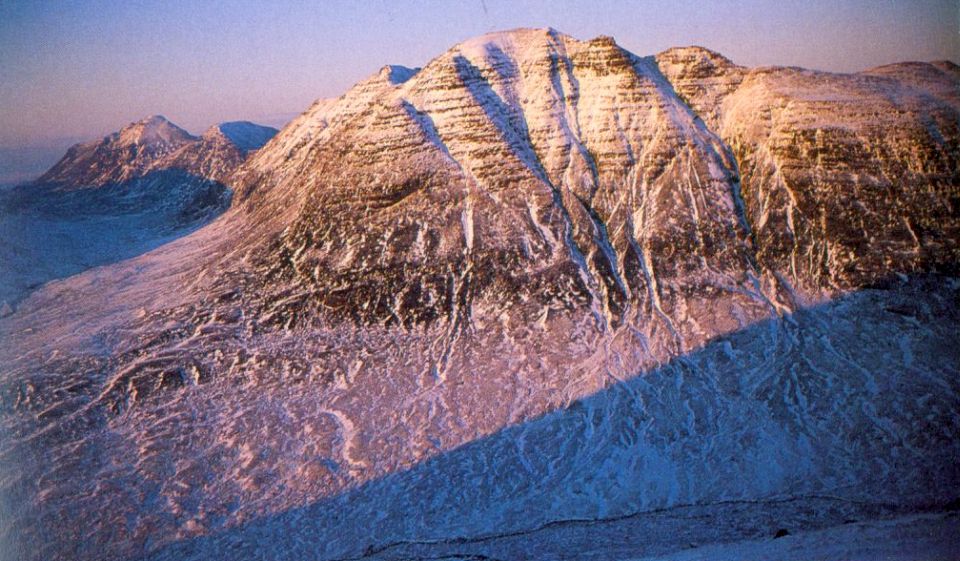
(82, 69)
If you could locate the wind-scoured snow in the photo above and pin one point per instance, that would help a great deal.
(245, 135)
(541, 298)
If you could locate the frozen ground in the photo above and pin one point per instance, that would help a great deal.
(911, 538)
(305, 449)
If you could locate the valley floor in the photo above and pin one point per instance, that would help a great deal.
(920, 537)
(713, 533)
(47, 235)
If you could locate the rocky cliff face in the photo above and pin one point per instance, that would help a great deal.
(525, 170)
(561, 280)
(539, 157)
(845, 178)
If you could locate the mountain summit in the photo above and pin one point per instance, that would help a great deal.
(153, 131)
(244, 135)
(153, 144)
(541, 295)
(528, 156)
(120, 156)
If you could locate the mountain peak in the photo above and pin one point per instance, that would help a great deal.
(244, 135)
(397, 74)
(156, 120)
(154, 143)
(606, 40)
(155, 129)
(697, 57)
(513, 39)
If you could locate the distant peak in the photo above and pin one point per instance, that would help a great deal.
(244, 135)
(915, 65)
(152, 129)
(397, 74)
(695, 54)
(152, 121)
(604, 40)
(156, 119)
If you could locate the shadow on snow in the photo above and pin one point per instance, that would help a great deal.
(840, 412)
(51, 231)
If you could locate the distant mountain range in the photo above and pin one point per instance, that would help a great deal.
(538, 297)
(155, 143)
(21, 164)
(117, 197)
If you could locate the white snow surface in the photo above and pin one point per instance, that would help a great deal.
(153, 130)
(177, 406)
(246, 135)
(48, 235)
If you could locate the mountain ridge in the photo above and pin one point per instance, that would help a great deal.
(154, 143)
(535, 265)
(114, 198)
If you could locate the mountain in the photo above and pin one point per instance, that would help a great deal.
(117, 197)
(539, 297)
(220, 150)
(125, 154)
(245, 135)
(154, 144)
(584, 160)
(812, 146)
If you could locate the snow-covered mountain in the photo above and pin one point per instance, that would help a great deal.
(540, 296)
(245, 135)
(117, 197)
(154, 144)
(125, 154)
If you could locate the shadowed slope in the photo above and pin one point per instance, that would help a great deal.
(112, 199)
(47, 232)
(844, 411)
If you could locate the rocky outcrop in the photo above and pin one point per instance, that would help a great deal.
(846, 179)
(701, 78)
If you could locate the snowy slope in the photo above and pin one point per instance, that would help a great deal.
(49, 233)
(154, 144)
(920, 537)
(539, 298)
(245, 135)
(116, 198)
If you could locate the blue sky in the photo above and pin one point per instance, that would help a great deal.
(82, 69)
